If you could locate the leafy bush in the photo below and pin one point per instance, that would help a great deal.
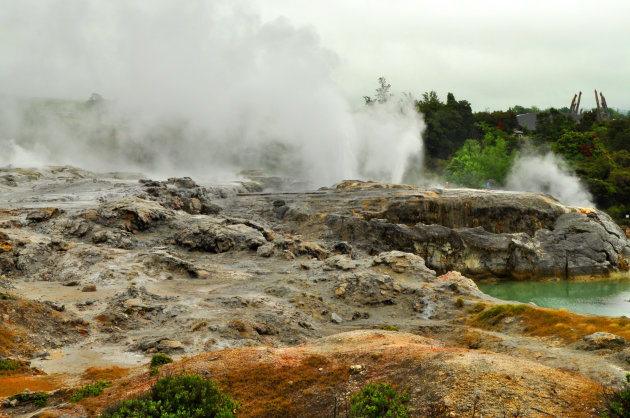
(186, 395)
(477, 162)
(619, 401)
(495, 314)
(94, 389)
(160, 359)
(379, 400)
(388, 328)
(10, 365)
(37, 398)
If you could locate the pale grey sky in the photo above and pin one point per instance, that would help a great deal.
(493, 53)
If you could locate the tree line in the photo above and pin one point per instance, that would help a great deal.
(469, 148)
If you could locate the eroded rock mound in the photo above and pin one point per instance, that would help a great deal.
(480, 233)
(181, 194)
(220, 235)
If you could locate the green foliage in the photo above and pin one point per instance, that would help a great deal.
(480, 306)
(519, 110)
(505, 120)
(93, 389)
(388, 328)
(379, 400)
(459, 303)
(616, 134)
(37, 398)
(619, 401)
(159, 359)
(551, 124)
(604, 192)
(479, 161)
(10, 365)
(588, 122)
(496, 313)
(620, 178)
(186, 395)
(448, 124)
(578, 146)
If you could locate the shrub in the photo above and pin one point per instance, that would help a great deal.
(185, 395)
(160, 359)
(459, 303)
(495, 314)
(10, 365)
(94, 389)
(619, 401)
(37, 398)
(388, 328)
(379, 400)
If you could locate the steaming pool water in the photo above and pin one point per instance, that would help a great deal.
(607, 298)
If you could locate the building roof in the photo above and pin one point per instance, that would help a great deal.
(527, 119)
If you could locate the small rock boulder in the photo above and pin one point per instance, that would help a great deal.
(89, 288)
(341, 262)
(43, 214)
(402, 262)
(169, 346)
(601, 341)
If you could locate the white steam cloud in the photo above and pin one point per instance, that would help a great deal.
(548, 174)
(194, 87)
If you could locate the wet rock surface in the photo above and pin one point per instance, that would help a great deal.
(127, 268)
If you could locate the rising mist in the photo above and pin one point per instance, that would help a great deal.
(548, 174)
(202, 88)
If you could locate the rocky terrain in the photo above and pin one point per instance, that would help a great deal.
(104, 270)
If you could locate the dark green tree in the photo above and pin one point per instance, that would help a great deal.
(519, 110)
(506, 120)
(551, 124)
(448, 124)
(616, 134)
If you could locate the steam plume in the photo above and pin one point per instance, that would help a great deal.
(198, 87)
(548, 174)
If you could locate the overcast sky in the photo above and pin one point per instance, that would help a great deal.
(495, 54)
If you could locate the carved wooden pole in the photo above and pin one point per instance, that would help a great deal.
(599, 111)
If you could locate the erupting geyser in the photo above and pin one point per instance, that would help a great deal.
(196, 88)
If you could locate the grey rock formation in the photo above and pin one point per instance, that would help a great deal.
(602, 340)
(480, 233)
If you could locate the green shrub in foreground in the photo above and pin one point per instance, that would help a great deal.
(619, 401)
(186, 395)
(160, 359)
(10, 365)
(379, 400)
(94, 389)
(37, 398)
